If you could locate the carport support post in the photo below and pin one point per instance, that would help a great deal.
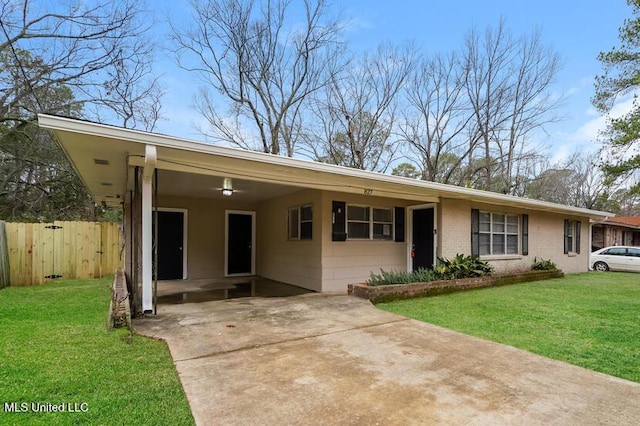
(150, 160)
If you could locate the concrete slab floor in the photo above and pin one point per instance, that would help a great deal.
(208, 289)
(334, 359)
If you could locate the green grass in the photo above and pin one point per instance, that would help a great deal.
(591, 320)
(54, 348)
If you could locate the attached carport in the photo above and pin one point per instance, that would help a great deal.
(147, 173)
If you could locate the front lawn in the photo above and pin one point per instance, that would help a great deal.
(55, 352)
(591, 319)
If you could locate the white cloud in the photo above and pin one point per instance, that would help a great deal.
(590, 131)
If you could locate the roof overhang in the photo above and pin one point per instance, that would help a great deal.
(619, 222)
(102, 154)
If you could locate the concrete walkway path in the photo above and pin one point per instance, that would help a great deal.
(337, 360)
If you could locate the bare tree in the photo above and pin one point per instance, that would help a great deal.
(356, 113)
(436, 124)
(132, 94)
(76, 59)
(508, 84)
(83, 46)
(576, 181)
(263, 62)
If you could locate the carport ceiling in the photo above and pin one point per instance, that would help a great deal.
(205, 186)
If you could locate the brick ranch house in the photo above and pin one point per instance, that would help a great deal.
(225, 212)
(616, 231)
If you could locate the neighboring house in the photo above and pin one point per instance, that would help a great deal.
(616, 231)
(231, 212)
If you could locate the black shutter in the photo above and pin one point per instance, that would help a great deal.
(398, 218)
(566, 236)
(578, 223)
(475, 232)
(525, 234)
(338, 221)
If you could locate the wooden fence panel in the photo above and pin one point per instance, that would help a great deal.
(38, 254)
(68, 252)
(111, 248)
(41, 252)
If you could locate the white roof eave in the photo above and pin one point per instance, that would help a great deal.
(56, 123)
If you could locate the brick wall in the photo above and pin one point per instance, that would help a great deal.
(546, 237)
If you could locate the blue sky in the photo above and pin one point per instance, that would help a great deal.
(576, 29)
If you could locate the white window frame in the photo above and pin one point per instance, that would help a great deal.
(571, 234)
(505, 233)
(299, 222)
(371, 223)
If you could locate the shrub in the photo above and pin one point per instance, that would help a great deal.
(543, 265)
(462, 266)
(389, 277)
(459, 267)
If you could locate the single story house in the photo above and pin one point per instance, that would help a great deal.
(225, 212)
(616, 231)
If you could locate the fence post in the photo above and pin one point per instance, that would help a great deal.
(4, 257)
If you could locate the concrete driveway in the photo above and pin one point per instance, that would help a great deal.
(327, 359)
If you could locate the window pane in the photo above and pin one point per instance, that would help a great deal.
(633, 252)
(306, 230)
(293, 223)
(512, 244)
(306, 213)
(616, 252)
(498, 227)
(382, 231)
(485, 227)
(358, 230)
(382, 215)
(498, 244)
(485, 244)
(485, 217)
(357, 213)
(498, 223)
(512, 219)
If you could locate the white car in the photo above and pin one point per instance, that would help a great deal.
(616, 258)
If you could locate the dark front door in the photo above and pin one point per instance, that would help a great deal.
(170, 241)
(422, 249)
(240, 243)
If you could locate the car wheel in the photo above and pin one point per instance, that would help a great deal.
(600, 266)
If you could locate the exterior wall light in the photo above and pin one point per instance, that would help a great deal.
(227, 192)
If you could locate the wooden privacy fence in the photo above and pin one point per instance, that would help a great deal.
(41, 252)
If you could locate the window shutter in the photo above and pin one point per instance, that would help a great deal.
(475, 232)
(398, 217)
(525, 234)
(566, 236)
(578, 223)
(338, 221)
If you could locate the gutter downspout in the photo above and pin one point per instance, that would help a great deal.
(150, 161)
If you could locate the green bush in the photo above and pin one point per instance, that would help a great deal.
(543, 265)
(459, 267)
(462, 266)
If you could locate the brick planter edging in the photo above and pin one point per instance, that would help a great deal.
(387, 293)
(119, 308)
